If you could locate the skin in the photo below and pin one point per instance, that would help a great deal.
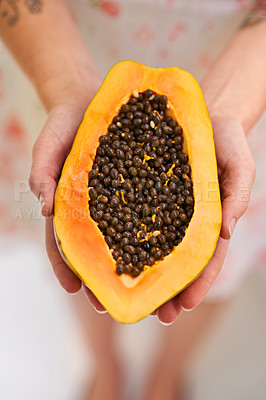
(234, 91)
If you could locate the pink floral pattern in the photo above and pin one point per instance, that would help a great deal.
(189, 34)
(111, 8)
(176, 30)
(15, 134)
(144, 35)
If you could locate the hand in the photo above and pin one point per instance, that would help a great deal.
(236, 174)
(236, 170)
(49, 153)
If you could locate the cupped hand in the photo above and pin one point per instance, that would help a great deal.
(236, 171)
(49, 153)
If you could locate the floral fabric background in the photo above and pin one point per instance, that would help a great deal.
(186, 33)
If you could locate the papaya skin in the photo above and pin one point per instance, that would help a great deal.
(80, 241)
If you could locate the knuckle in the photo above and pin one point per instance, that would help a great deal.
(32, 183)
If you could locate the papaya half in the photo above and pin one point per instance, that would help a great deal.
(137, 210)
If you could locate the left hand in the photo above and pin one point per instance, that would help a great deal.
(236, 171)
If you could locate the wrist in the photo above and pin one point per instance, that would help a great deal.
(225, 117)
(75, 85)
(223, 105)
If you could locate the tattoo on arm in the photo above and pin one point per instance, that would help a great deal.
(256, 15)
(10, 9)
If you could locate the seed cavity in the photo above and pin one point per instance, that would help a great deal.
(140, 187)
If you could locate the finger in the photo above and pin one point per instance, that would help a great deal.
(236, 191)
(169, 311)
(194, 293)
(49, 153)
(236, 184)
(68, 280)
(93, 300)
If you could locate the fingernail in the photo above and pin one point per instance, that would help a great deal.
(232, 226)
(166, 323)
(100, 311)
(187, 309)
(41, 200)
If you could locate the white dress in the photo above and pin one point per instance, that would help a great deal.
(186, 33)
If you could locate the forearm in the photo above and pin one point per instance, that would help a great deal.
(235, 87)
(48, 47)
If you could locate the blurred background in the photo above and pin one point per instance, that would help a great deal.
(43, 352)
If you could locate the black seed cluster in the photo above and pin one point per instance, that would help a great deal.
(141, 193)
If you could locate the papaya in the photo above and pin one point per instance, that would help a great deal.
(137, 211)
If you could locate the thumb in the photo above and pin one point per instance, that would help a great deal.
(235, 189)
(50, 151)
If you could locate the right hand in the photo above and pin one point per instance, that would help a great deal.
(49, 153)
